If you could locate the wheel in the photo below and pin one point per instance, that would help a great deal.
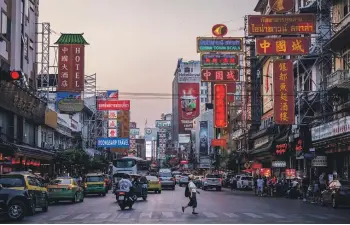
(46, 206)
(122, 207)
(159, 192)
(173, 187)
(75, 198)
(130, 206)
(334, 202)
(144, 198)
(33, 208)
(104, 194)
(16, 210)
(218, 188)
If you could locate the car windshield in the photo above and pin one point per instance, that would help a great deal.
(247, 178)
(165, 175)
(11, 181)
(152, 178)
(94, 179)
(124, 163)
(62, 181)
(213, 176)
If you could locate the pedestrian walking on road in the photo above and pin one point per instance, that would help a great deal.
(191, 192)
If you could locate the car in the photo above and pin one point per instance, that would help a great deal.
(24, 180)
(14, 204)
(95, 184)
(167, 180)
(183, 180)
(212, 181)
(65, 188)
(154, 184)
(336, 194)
(245, 182)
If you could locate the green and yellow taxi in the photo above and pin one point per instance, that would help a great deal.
(27, 181)
(154, 184)
(65, 188)
(95, 184)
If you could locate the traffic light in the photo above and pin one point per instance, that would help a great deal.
(10, 75)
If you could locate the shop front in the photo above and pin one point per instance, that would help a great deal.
(261, 151)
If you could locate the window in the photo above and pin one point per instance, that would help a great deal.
(32, 181)
(22, 53)
(62, 182)
(12, 181)
(5, 26)
(95, 179)
(25, 47)
(191, 70)
(22, 13)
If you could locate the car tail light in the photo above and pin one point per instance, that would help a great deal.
(121, 193)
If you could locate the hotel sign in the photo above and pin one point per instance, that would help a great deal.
(281, 24)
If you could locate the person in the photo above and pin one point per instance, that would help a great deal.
(260, 185)
(125, 185)
(255, 184)
(323, 182)
(192, 189)
(233, 182)
(305, 184)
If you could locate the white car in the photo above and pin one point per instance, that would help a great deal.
(245, 182)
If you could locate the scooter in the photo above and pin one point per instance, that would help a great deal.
(125, 201)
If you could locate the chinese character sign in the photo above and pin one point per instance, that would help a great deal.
(283, 46)
(282, 24)
(71, 68)
(220, 105)
(217, 75)
(227, 60)
(281, 6)
(283, 88)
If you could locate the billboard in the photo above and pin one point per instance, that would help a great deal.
(282, 24)
(103, 105)
(189, 77)
(113, 114)
(217, 75)
(283, 46)
(134, 131)
(203, 138)
(113, 94)
(113, 142)
(148, 149)
(132, 125)
(112, 132)
(71, 67)
(283, 87)
(267, 86)
(151, 134)
(281, 6)
(69, 102)
(220, 44)
(163, 123)
(218, 142)
(189, 105)
(112, 123)
(213, 60)
(220, 105)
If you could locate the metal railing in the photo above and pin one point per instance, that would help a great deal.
(338, 78)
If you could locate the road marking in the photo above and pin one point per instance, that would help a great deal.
(168, 214)
(81, 216)
(210, 215)
(124, 215)
(146, 215)
(252, 215)
(231, 215)
(59, 217)
(103, 216)
(274, 215)
(318, 217)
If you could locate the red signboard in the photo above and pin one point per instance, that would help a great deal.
(218, 142)
(219, 30)
(71, 68)
(281, 149)
(231, 91)
(189, 105)
(283, 46)
(283, 87)
(282, 24)
(103, 105)
(281, 6)
(220, 105)
(217, 75)
(290, 173)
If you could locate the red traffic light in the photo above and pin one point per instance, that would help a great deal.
(15, 75)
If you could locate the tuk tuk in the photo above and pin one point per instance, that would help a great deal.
(140, 185)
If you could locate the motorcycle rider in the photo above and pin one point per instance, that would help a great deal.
(125, 185)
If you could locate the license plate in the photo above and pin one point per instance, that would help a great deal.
(121, 198)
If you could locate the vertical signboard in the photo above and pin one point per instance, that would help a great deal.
(220, 105)
(283, 87)
(189, 105)
(203, 138)
(267, 86)
(71, 67)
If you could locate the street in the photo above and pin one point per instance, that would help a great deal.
(213, 207)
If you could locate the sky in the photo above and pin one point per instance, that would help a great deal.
(135, 44)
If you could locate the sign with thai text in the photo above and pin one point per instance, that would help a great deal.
(221, 44)
(113, 142)
(281, 6)
(218, 142)
(282, 24)
(219, 60)
(283, 89)
(188, 77)
(113, 105)
(217, 75)
(163, 123)
(220, 105)
(283, 46)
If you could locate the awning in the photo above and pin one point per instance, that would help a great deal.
(264, 148)
(35, 153)
(8, 147)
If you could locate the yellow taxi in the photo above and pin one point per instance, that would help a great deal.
(65, 188)
(154, 184)
(95, 184)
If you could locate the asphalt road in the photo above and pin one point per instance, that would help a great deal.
(213, 207)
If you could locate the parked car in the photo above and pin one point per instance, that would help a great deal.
(212, 181)
(336, 194)
(65, 188)
(154, 184)
(183, 180)
(28, 181)
(14, 204)
(167, 180)
(245, 182)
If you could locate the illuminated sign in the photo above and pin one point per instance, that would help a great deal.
(222, 44)
(217, 75)
(281, 24)
(218, 142)
(283, 46)
(219, 30)
(113, 105)
(220, 105)
(219, 60)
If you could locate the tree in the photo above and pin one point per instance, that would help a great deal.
(231, 162)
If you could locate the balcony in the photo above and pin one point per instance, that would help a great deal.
(339, 79)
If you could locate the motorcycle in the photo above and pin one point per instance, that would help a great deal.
(125, 201)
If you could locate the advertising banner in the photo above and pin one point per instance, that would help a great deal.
(113, 105)
(281, 6)
(113, 114)
(71, 68)
(219, 142)
(213, 60)
(220, 105)
(217, 75)
(189, 105)
(282, 24)
(69, 102)
(219, 44)
(203, 138)
(283, 46)
(112, 132)
(163, 123)
(283, 87)
(189, 77)
(112, 123)
(113, 94)
(134, 131)
(132, 125)
(113, 142)
(267, 86)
